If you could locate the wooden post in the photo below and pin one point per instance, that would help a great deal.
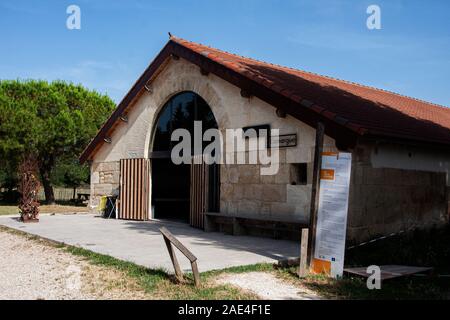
(320, 130)
(173, 257)
(195, 273)
(303, 266)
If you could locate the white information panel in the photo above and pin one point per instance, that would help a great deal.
(332, 211)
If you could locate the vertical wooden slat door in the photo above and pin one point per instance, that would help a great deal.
(134, 189)
(199, 194)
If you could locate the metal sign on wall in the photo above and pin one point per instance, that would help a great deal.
(285, 140)
(132, 154)
(332, 213)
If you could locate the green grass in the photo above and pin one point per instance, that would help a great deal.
(7, 209)
(14, 209)
(149, 278)
(163, 285)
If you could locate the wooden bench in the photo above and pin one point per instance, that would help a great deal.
(241, 224)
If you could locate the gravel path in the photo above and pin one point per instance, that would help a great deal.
(32, 269)
(267, 286)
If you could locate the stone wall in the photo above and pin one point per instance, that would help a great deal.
(105, 180)
(410, 157)
(245, 191)
(386, 200)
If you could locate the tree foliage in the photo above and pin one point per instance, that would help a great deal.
(69, 173)
(54, 121)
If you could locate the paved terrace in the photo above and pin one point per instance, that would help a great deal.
(142, 243)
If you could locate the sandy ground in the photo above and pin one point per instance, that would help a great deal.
(267, 286)
(32, 270)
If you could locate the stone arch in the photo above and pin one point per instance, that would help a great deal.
(171, 200)
(167, 87)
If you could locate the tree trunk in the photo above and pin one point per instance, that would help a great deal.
(74, 194)
(48, 188)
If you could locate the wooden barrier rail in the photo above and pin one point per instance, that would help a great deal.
(170, 240)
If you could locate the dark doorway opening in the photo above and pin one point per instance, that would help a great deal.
(170, 194)
(171, 184)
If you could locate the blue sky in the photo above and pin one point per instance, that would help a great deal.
(118, 39)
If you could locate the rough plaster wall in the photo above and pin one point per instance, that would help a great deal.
(386, 200)
(385, 155)
(264, 195)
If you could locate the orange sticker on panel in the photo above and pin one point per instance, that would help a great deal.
(327, 174)
(321, 266)
(329, 153)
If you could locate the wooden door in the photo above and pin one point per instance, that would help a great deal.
(134, 189)
(198, 194)
(204, 193)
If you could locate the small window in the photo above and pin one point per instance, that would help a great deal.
(298, 174)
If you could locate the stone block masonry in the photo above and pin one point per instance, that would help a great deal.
(244, 191)
(105, 180)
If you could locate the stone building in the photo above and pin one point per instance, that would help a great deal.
(400, 146)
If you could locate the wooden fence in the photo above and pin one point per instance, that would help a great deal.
(63, 194)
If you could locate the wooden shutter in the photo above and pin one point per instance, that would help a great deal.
(134, 189)
(199, 194)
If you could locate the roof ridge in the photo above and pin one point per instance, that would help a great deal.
(316, 74)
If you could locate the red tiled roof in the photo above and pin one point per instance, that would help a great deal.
(364, 109)
(348, 108)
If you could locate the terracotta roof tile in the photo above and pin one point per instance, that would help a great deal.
(366, 109)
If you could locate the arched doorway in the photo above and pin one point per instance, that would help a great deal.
(171, 184)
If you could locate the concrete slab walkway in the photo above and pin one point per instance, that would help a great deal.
(142, 243)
